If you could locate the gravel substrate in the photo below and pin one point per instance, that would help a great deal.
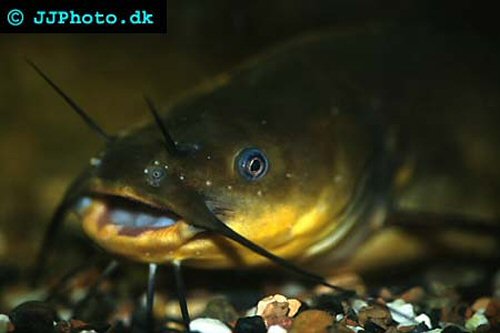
(437, 305)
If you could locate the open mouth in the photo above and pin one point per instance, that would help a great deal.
(130, 225)
(128, 213)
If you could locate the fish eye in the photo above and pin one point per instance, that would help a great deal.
(252, 163)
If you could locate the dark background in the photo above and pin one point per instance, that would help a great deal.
(43, 145)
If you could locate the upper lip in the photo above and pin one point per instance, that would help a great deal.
(146, 205)
(128, 200)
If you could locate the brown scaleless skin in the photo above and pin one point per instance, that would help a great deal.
(339, 121)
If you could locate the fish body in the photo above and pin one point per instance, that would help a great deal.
(307, 151)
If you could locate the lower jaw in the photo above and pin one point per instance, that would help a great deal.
(162, 245)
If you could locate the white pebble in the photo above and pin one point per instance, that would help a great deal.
(276, 329)
(208, 325)
(263, 303)
(355, 328)
(251, 312)
(476, 320)
(402, 312)
(4, 322)
(423, 318)
(358, 304)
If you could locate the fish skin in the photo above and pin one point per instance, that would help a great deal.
(356, 124)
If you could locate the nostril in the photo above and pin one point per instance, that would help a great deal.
(155, 173)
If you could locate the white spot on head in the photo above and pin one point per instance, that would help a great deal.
(181, 177)
(209, 157)
(229, 187)
(166, 167)
(94, 161)
(156, 163)
(146, 171)
(208, 183)
(288, 175)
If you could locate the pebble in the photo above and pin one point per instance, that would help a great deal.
(220, 308)
(208, 325)
(251, 312)
(413, 295)
(356, 329)
(424, 319)
(493, 312)
(277, 310)
(273, 312)
(376, 314)
(75, 325)
(312, 321)
(292, 305)
(276, 329)
(481, 304)
(254, 324)
(452, 329)
(358, 305)
(33, 316)
(454, 314)
(478, 319)
(372, 327)
(402, 312)
(386, 294)
(420, 328)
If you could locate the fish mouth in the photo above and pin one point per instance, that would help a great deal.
(133, 225)
(129, 213)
